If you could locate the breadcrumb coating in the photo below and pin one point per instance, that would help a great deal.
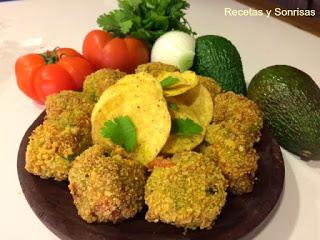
(95, 84)
(211, 85)
(68, 101)
(230, 138)
(52, 148)
(237, 166)
(64, 134)
(106, 187)
(242, 114)
(155, 68)
(189, 194)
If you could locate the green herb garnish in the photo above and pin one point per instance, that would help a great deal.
(173, 106)
(121, 131)
(146, 19)
(185, 127)
(168, 82)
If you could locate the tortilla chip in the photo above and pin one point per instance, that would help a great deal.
(197, 105)
(199, 101)
(140, 97)
(187, 80)
(177, 143)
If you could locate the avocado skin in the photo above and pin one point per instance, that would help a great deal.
(290, 101)
(218, 58)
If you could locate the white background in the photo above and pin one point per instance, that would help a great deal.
(28, 26)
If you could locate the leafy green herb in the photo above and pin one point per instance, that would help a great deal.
(168, 82)
(121, 131)
(173, 106)
(185, 127)
(146, 19)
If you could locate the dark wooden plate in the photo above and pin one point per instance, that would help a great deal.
(52, 203)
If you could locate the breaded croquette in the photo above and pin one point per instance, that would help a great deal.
(52, 148)
(220, 133)
(106, 187)
(242, 114)
(65, 133)
(71, 109)
(189, 194)
(229, 140)
(68, 101)
(234, 155)
(155, 68)
(95, 84)
(211, 85)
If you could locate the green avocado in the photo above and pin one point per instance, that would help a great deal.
(290, 101)
(218, 58)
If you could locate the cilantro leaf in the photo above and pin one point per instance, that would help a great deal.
(168, 82)
(121, 131)
(146, 19)
(185, 127)
(173, 106)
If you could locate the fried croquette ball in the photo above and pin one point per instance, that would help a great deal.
(65, 133)
(95, 84)
(155, 68)
(188, 194)
(212, 86)
(234, 155)
(106, 187)
(68, 101)
(52, 147)
(237, 109)
(72, 110)
(224, 136)
(230, 138)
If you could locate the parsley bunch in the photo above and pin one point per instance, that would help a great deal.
(146, 19)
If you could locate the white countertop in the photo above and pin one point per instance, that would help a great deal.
(29, 26)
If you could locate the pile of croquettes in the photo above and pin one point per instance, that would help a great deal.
(186, 189)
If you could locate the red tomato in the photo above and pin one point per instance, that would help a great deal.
(51, 79)
(105, 51)
(39, 75)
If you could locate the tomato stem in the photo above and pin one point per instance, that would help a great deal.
(50, 57)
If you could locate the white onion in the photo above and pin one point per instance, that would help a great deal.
(176, 48)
